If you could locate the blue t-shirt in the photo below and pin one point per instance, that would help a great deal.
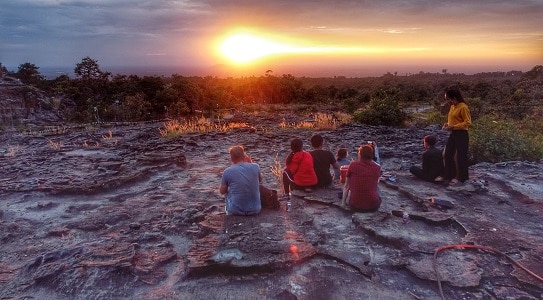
(243, 196)
(341, 162)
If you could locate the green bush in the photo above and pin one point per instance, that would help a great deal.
(476, 107)
(494, 139)
(384, 109)
(436, 117)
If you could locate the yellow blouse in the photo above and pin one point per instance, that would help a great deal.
(459, 117)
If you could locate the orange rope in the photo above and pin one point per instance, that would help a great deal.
(489, 249)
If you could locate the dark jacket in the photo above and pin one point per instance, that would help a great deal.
(432, 163)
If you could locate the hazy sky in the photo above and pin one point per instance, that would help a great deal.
(303, 36)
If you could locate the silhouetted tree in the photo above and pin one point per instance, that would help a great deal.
(29, 73)
(88, 68)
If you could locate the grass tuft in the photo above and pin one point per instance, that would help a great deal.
(175, 128)
(277, 171)
(321, 121)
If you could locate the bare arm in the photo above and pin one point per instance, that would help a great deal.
(223, 189)
(346, 189)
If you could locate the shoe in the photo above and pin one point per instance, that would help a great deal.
(284, 198)
(439, 179)
(454, 181)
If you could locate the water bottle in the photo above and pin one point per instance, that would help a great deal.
(405, 217)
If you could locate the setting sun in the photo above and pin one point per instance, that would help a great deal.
(244, 48)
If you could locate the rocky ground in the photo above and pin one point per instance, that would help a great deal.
(121, 213)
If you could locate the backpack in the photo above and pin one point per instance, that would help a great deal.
(268, 198)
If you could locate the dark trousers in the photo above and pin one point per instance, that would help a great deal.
(457, 144)
(417, 171)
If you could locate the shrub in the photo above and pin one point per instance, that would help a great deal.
(493, 140)
(476, 107)
(436, 117)
(383, 110)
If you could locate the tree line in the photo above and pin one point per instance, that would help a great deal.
(97, 95)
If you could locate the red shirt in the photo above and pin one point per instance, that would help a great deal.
(302, 169)
(363, 178)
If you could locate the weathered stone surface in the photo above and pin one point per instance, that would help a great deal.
(457, 269)
(120, 212)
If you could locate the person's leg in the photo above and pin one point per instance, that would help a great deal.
(462, 155)
(377, 156)
(376, 208)
(286, 182)
(348, 198)
(450, 150)
(417, 171)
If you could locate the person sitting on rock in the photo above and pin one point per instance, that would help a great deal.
(376, 156)
(342, 160)
(432, 161)
(299, 172)
(240, 184)
(360, 192)
(322, 160)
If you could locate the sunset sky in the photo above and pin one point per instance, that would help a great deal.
(302, 37)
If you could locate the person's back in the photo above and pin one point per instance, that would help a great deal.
(322, 160)
(240, 184)
(432, 161)
(360, 192)
(364, 177)
(342, 160)
(299, 172)
(301, 167)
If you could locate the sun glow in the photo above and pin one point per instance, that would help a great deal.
(244, 48)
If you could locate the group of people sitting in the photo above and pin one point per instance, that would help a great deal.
(305, 170)
(309, 170)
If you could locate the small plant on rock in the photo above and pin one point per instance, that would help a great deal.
(12, 151)
(277, 171)
(175, 128)
(55, 145)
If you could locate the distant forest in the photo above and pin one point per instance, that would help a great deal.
(97, 95)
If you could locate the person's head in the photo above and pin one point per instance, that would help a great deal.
(316, 141)
(453, 94)
(296, 145)
(237, 154)
(430, 141)
(365, 152)
(341, 153)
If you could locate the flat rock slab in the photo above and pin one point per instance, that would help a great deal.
(122, 213)
(268, 240)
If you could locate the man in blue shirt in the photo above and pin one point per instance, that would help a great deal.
(240, 184)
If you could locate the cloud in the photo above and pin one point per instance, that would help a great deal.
(126, 31)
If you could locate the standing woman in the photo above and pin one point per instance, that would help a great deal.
(458, 121)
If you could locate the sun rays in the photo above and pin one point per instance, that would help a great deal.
(245, 48)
